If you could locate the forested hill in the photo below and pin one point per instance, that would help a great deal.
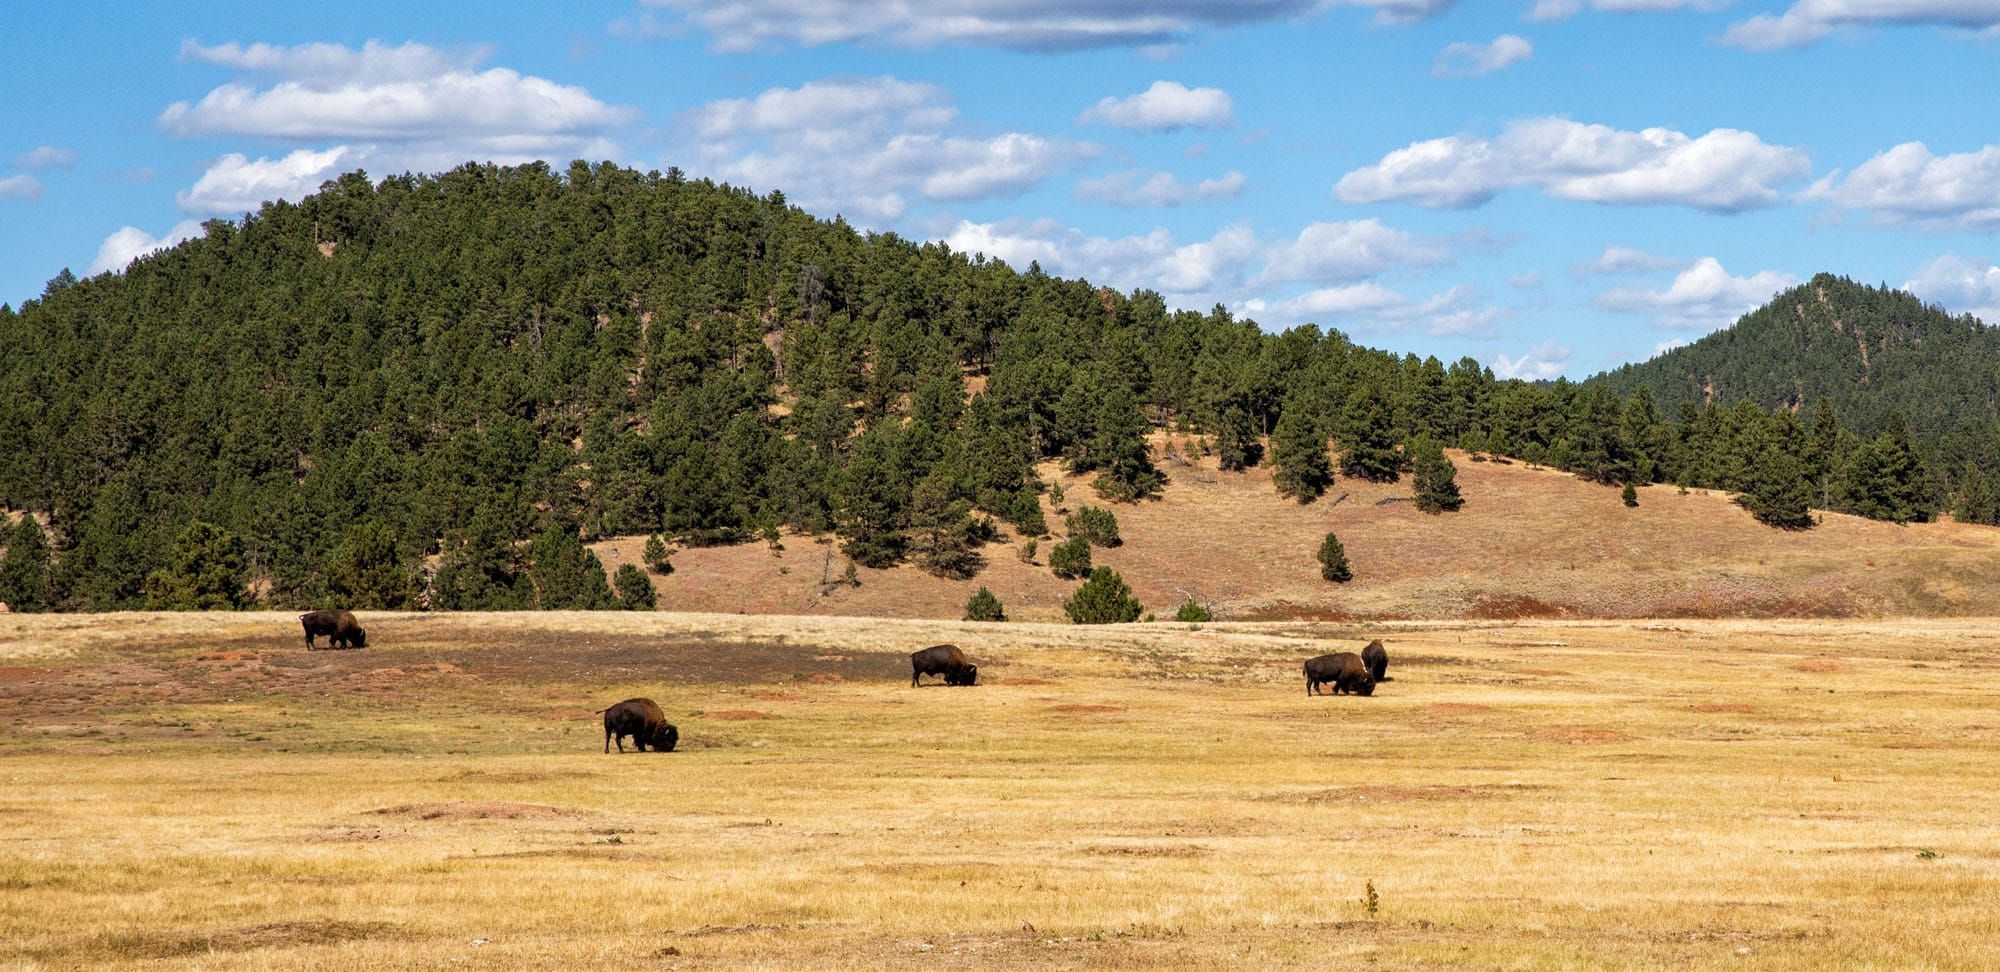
(1875, 355)
(431, 390)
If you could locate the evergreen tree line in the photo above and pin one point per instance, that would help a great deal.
(433, 390)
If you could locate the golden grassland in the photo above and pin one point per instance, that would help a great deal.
(1529, 543)
(197, 790)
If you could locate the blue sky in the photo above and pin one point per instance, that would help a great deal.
(1550, 186)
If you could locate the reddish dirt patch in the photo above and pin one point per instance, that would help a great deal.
(352, 835)
(232, 655)
(1289, 611)
(1582, 737)
(1736, 707)
(478, 810)
(1456, 709)
(1820, 665)
(737, 715)
(1087, 708)
(1507, 607)
(778, 696)
(18, 674)
(1384, 793)
(1023, 681)
(1542, 671)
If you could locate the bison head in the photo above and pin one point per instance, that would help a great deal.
(665, 738)
(1366, 686)
(966, 675)
(360, 638)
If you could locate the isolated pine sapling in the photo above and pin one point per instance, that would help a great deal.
(1436, 479)
(1333, 561)
(658, 557)
(1028, 548)
(983, 606)
(1103, 599)
(1070, 559)
(633, 588)
(1629, 495)
(1094, 524)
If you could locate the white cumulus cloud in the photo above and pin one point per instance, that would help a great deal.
(47, 157)
(22, 186)
(1539, 363)
(1908, 182)
(1165, 106)
(1469, 60)
(1960, 286)
(373, 61)
(1160, 189)
(1625, 259)
(864, 147)
(1343, 251)
(1808, 21)
(130, 243)
(1704, 296)
(1551, 10)
(1725, 170)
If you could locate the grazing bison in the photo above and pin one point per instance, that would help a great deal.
(340, 628)
(644, 722)
(1344, 671)
(1376, 658)
(944, 660)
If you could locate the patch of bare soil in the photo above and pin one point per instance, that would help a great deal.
(1148, 850)
(1738, 708)
(736, 715)
(352, 835)
(478, 810)
(1819, 665)
(1456, 709)
(1514, 607)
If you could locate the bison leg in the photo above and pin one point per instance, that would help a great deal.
(607, 741)
(914, 675)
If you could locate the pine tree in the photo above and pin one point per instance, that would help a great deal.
(1071, 558)
(873, 499)
(1119, 449)
(1103, 599)
(1025, 512)
(1298, 449)
(366, 572)
(205, 572)
(1978, 502)
(1333, 561)
(1883, 479)
(565, 574)
(482, 571)
(938, 522)
(983, 606)
(1368, 437)
(25, 582)
(1629, 495)
(635, 589)
(1094, 524)
(1434, 476)
(658, 558)
(1236, 445)
(1780, 494)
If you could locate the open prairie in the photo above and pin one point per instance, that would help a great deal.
(198, 790)
(1529, 543)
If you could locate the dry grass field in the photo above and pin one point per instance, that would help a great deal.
(199, 792)
(1530, 543)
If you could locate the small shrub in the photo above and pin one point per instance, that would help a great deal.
(1192, 612)
(1630, 495)
(984, 607)
(1028, 548)
(1103, 599)
(1056, 496)
(1070, 559)
(1333, 561)
(1094, 524)
(1370, 901)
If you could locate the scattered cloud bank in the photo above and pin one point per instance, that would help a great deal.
(1624, 259)
(737, 26)
(131, 243)
(47, 157)
(1541, 362)
(22, 186)
(1723, 171)
(1810, 21)
(1546, 11)
(865, 146)
(1165, 106)
(1159, 189)
(1468, 60)
(1702, 297)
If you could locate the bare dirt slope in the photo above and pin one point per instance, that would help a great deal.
(196, 791)
(1529, 543)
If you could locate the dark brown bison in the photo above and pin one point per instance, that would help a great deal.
(1343, 670)
(644, 722)
(944, 660)
(340, 628)
(1376, 658)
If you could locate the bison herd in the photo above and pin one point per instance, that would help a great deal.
(642, 721)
